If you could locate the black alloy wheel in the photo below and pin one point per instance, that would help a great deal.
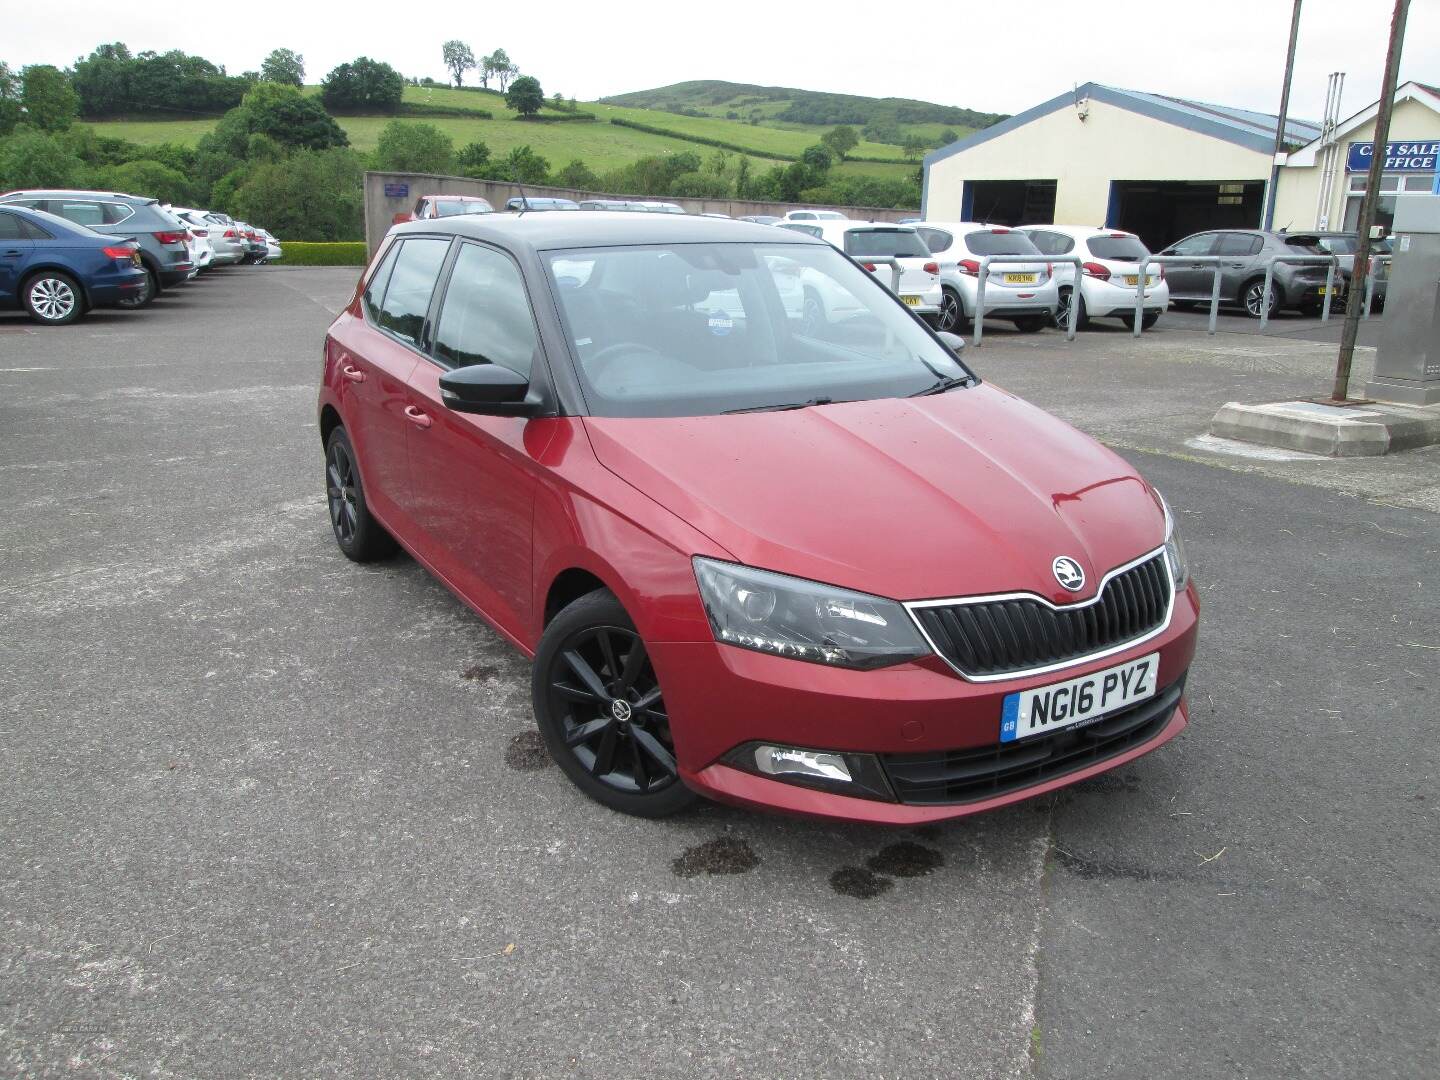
(600, 710)
(952, 313)
(359, 535)
(1062, 311)
(1253, 298)
(148, 292)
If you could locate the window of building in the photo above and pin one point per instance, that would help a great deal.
(1391, 186)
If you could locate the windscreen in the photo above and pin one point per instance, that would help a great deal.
(457, 207)
(699, 329)
(899, 243)
(1119, 248)
(1001, 243)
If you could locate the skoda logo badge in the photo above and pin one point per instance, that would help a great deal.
(620, 709)
(1068, 573)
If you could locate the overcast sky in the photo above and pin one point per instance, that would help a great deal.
(987, 55)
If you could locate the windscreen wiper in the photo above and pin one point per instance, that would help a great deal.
(946, 382)
(785, 407)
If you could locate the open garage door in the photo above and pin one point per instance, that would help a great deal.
(1163, 211)
(1009, 202)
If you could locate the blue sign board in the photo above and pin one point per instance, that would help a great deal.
(1399, 156)
(397, 191)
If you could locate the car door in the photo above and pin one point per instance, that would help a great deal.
(376, 355)
(1240, 260)
(1190, 281)
(16, 249)
(474, 476)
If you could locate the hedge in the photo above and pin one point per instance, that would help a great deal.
(702, 140)
(412, 108)
(307, 253)
(737, 148)
(554, 118)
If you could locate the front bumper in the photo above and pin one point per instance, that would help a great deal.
(720, 697)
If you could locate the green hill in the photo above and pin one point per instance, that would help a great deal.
(783, 105)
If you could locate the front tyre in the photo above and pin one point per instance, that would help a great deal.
(361, 538)
(1252, 298)
(951, 318)
(53, 298)
(1062, 311)
(598, 705)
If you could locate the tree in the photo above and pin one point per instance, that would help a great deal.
(914, 146)
(819, 158)
(578, 175)
(410, 147)
(33, 159)
(149, 178)
(9, 99)
(525, 166)
(473, 155)
(948, 136)
(363, 86)
(50, 103)
(458, 58)
(841, 140)
(493, 66)
(111, 81)
(311, 195)
(525, 96)
(291, 118)
(283, 66)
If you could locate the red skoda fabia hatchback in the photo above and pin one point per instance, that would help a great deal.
(766, 537)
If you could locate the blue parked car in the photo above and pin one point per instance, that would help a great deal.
(57, 270)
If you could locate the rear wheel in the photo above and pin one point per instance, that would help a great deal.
(951, 318)
(53, 298)
(1033, 324)
(148, 292)
(358, 534)
(1252, 297)
(1062, 313)
(598, 705)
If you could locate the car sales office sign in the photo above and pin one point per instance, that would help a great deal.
(1399, 156)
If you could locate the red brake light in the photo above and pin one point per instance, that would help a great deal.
(999, 232)
(1095, 270)
(201, 232)
(931, 268)
(1049, 269)
(170, 237)
(868, 266)
(970, 266)
(1162, 271)
(116, 253)
(231, 234)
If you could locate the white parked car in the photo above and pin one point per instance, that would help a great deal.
(1110, 273)
(273, 250)
(814, 215)
(1022, 292)
(223, 250)
(919, 286)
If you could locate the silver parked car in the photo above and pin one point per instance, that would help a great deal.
(1244, 255)
(1343, 245)
(225, 242)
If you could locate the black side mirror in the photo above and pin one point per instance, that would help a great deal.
(954, 342)
(488, 389)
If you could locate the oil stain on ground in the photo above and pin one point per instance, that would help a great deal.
(527, 752)
(722, 855)
(860, 883)
(906, 859)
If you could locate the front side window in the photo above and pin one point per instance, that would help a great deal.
(485, 316)
(1195, 246)
(412, 281)
(700, 329)
(375, 290)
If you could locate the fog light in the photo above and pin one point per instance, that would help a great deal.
(858, 775)
(787, 761)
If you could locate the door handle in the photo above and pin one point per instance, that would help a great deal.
(416, 417)
(13, 253)
(354, 374)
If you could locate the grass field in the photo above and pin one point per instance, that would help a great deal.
(601, 145)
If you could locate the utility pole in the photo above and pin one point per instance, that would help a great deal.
(1356, 298)
(1268, 220)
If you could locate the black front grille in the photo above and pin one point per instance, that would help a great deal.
(997, 637)
(961, 776)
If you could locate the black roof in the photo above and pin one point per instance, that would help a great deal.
(549, 229)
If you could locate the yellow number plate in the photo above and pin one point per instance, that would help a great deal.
(1322, 290)
(912, 301)
(1019, 279)
(1132, 279)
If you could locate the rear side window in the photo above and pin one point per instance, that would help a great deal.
(375, 291)
(90, 214)
(1239, 244)
(412, 281)
(485, 316)
(936, 240)
(900, 243)
(33, 231)
(1005, 243)
(1195, 246)
(1120, 248)
(11, 228)
(1049, 243)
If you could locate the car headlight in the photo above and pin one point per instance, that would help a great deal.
(804, 620)
(1174, 549)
